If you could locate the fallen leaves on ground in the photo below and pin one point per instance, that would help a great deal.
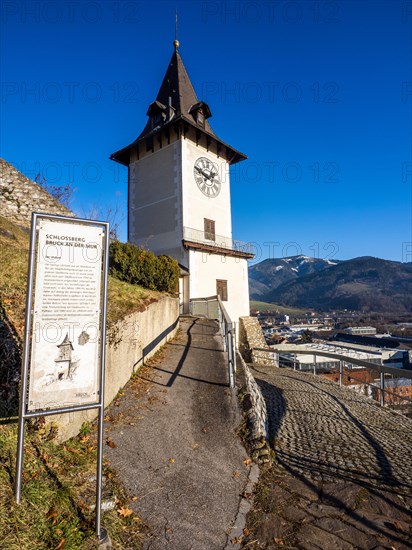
(235, 473)
(111, 443)
(60, 545)
(398, 526)
(171, 460)
(52, 515)
(124, 512)
(247, 461)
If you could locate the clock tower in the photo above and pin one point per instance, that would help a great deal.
(179, 194)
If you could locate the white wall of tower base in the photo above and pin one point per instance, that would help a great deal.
(205, 268)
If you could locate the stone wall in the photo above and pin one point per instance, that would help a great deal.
(20, 196)
(251, 336)
(254, 407)
(130, 342)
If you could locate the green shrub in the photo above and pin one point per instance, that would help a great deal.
(140, 267)
(168, 274)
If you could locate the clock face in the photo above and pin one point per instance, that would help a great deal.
(207, 177)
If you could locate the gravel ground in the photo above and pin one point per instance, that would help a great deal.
(174, 444)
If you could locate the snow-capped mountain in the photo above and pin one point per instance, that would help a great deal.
(271, 273)
(362, 284)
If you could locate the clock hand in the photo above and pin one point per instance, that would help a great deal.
(201, 171)
(207, 176)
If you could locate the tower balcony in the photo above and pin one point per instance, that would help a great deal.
(208, 241)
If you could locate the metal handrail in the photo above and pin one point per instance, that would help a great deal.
(212, 307)
(220, 241)
(381, 369)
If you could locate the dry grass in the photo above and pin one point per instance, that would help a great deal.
(58, 493)
(14, 245)
(124, 299)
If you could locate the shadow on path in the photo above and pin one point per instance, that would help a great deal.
(277, 406)
(184, 355)
(349, 512)
(188, 346)
(385, 467)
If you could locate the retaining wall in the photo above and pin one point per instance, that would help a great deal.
(257, 412)
(130, 343)
(254, 405)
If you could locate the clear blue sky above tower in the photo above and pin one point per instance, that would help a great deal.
(317, 94)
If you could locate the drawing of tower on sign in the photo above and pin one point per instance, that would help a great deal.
(65, 366)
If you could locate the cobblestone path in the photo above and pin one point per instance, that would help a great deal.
(324, 431)
(343, 471)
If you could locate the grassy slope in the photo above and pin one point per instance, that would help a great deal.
(283, 310)
(58, 487)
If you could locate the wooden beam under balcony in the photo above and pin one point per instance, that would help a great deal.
(214, 249)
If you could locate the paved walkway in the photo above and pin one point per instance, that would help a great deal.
(176, 446)
(345, 476)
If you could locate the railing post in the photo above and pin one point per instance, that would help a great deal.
(340, 372)
(234, 351)
(230, 353)
(294, 361)
(382, 388)
(314, 365)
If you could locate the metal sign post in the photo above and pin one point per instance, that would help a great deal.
(65, 328)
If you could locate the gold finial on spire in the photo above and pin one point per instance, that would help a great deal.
(176, 41)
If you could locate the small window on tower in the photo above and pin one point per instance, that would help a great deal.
(221, 289)
(209, 225)
(200, 118)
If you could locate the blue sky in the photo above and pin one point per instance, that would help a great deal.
(317, 94)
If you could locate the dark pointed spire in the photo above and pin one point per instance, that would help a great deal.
(176, 92)
(177, 102)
